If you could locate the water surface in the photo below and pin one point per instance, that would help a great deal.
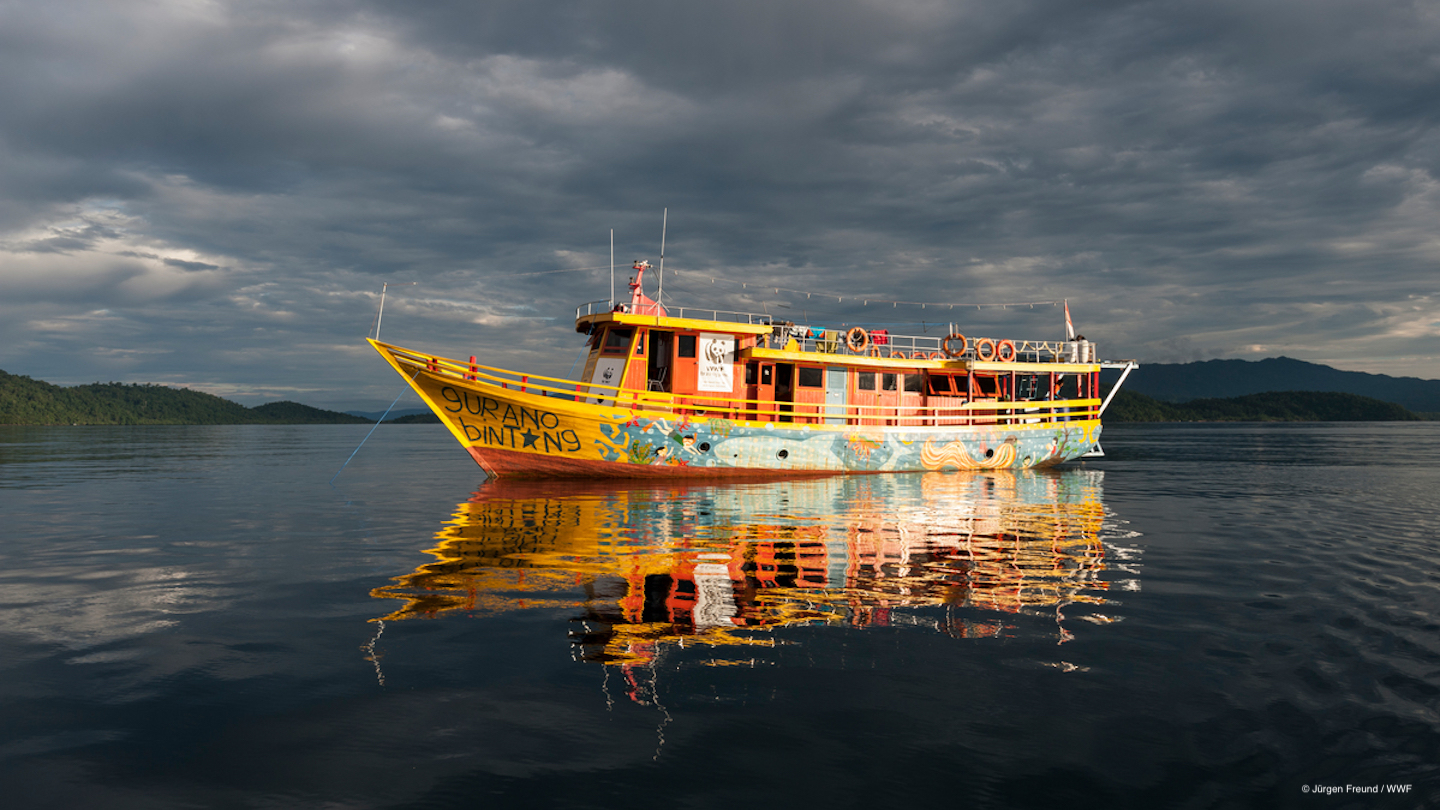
(1212, 616)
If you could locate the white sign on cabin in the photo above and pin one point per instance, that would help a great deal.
(716, 363)
(608, 371)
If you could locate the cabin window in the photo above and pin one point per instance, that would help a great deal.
(987, 386)
(940, 384)
(865, 380)
(811, 377)
(1032, 386)
(888, 382)
(914, 384)
(618, 340)
(767, 374)
(687, 346)
(640, 343)
(750, 373)
(1067, 386)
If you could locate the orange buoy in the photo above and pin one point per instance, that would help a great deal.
(951, 352)
(857, 339)
(984, 349)
(1005, 350)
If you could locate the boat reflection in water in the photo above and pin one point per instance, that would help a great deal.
(645, 566)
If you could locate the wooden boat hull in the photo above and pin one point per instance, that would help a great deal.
(518, 432)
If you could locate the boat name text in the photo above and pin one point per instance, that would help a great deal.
(515, 422)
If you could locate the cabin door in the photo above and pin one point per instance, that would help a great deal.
(835, 389)
(785, 391)
(760, 390)
(658, 374)
(888, 397)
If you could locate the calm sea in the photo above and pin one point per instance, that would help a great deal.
(1212, 616)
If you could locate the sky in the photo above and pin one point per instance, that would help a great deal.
(211, 194)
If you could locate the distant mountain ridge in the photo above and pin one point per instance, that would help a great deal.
(1270, 406)
(26, 401)
(1220, 379)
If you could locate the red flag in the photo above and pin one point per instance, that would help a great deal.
(1069, 327)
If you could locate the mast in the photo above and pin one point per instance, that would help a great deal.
(660, 289)
(383, 287)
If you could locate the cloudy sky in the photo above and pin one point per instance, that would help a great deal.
(212, 193)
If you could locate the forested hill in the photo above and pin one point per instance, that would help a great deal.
(1274, 406)
(25, 401)
(1182, 382)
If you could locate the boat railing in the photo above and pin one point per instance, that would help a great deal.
(594, 308)
(879, 343)
(973, 412)
(923, 347)
(693, 313)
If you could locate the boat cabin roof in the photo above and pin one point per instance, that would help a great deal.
(589, 322)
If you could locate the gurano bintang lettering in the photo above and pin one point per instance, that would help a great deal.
(510, 427)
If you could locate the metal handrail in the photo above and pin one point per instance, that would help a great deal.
(1014, 412)
(1026, 351)
(812, 338)
(589, 307)
(693, 313)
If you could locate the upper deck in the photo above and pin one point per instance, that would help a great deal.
(710, 358)
(589, 316)
(773, 339)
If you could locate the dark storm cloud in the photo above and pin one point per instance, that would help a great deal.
(228, 184)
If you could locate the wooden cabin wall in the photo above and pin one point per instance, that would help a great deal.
(809, 400)
(686, 369)
(590, 359)
(685, 378)
(635, 367)
(946, 410)
(986, 413)
(911, 407)
(912, 401)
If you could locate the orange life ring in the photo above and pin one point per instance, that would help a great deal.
(936, 356)
(898, 356)
(1005, 351)
(874, 351)
(857, 339)
(984, 349)
(945, 344)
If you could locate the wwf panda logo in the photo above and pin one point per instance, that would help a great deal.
(715, 352)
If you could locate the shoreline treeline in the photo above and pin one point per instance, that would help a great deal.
(26, 401)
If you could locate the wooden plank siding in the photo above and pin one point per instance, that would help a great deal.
(915, 391)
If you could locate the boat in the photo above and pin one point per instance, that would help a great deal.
(672, 392)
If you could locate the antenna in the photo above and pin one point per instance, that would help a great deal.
(381, 312)
(612, 267)
(660, 291)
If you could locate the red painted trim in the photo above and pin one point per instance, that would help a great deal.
(513, 464)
